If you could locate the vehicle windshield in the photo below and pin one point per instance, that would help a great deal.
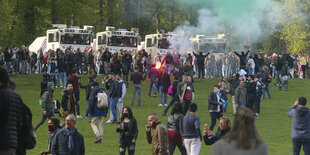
(78, 39)
(215, 47)
(163, 43)
(122, 41)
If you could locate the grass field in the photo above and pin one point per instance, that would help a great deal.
(273, 124)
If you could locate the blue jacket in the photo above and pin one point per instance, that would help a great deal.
(61, 141)
(94, 110)
(300, 122)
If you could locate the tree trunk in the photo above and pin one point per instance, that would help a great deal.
(53, 12)
(157, 18)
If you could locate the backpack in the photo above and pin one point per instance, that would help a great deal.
(269, 78)
(102, 99)
(170, 90)
(27, 132)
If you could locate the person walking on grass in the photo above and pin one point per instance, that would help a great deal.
(285, 74)
(96, 114)
(300, 115)
(47, 104)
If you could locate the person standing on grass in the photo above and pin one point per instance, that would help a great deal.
(136, 78)
(285, 74)
(115, 95)
(234, 83)
(243, 137)
(122, 88)
(184, 92)
(74, 79)
(68, 102)
(69, 140)
(97, 115)
(159, 139)
(240, 96)
(153, 73)
(128, 130)
(174, 125)
(47, 104)
(53, 128)
(251, 92)
(300, 115)
(163, 84)
(201, 64)
(191, 131)
(214, 106)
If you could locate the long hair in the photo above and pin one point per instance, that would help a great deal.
(177, 109)
(130, 115)
(244, 130)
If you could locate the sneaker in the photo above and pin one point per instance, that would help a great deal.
(78, 116)
(154, 95)
(56, 87)
(280, 87)
(164, 114)
(109, 121)
(166, 105)
(97, 140)
(160, 105)
(285, 89)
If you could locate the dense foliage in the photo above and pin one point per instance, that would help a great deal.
(24, 20)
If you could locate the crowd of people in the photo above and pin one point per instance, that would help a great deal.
(245, 78)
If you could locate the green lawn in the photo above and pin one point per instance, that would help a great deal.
(273, 124)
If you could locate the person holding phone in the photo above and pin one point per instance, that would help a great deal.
(224, 127)
(300, 115)
(159, 139)
(128, 129)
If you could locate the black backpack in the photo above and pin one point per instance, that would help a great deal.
(27, 135)
(124, 68)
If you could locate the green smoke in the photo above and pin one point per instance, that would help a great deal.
(231, 10)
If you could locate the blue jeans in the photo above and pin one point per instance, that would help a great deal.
(79, 67)
(298, 142)
(285, 83)
(40, 67)
(9, 65)
(250, 70)
(162, 94)
(278, 72)
(23, 70)
(113, 105)
(266, 88)
(214, 116)
(154, 86)
(174, 99)
(62, 79)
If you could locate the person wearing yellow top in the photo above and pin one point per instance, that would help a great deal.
(303, 62)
